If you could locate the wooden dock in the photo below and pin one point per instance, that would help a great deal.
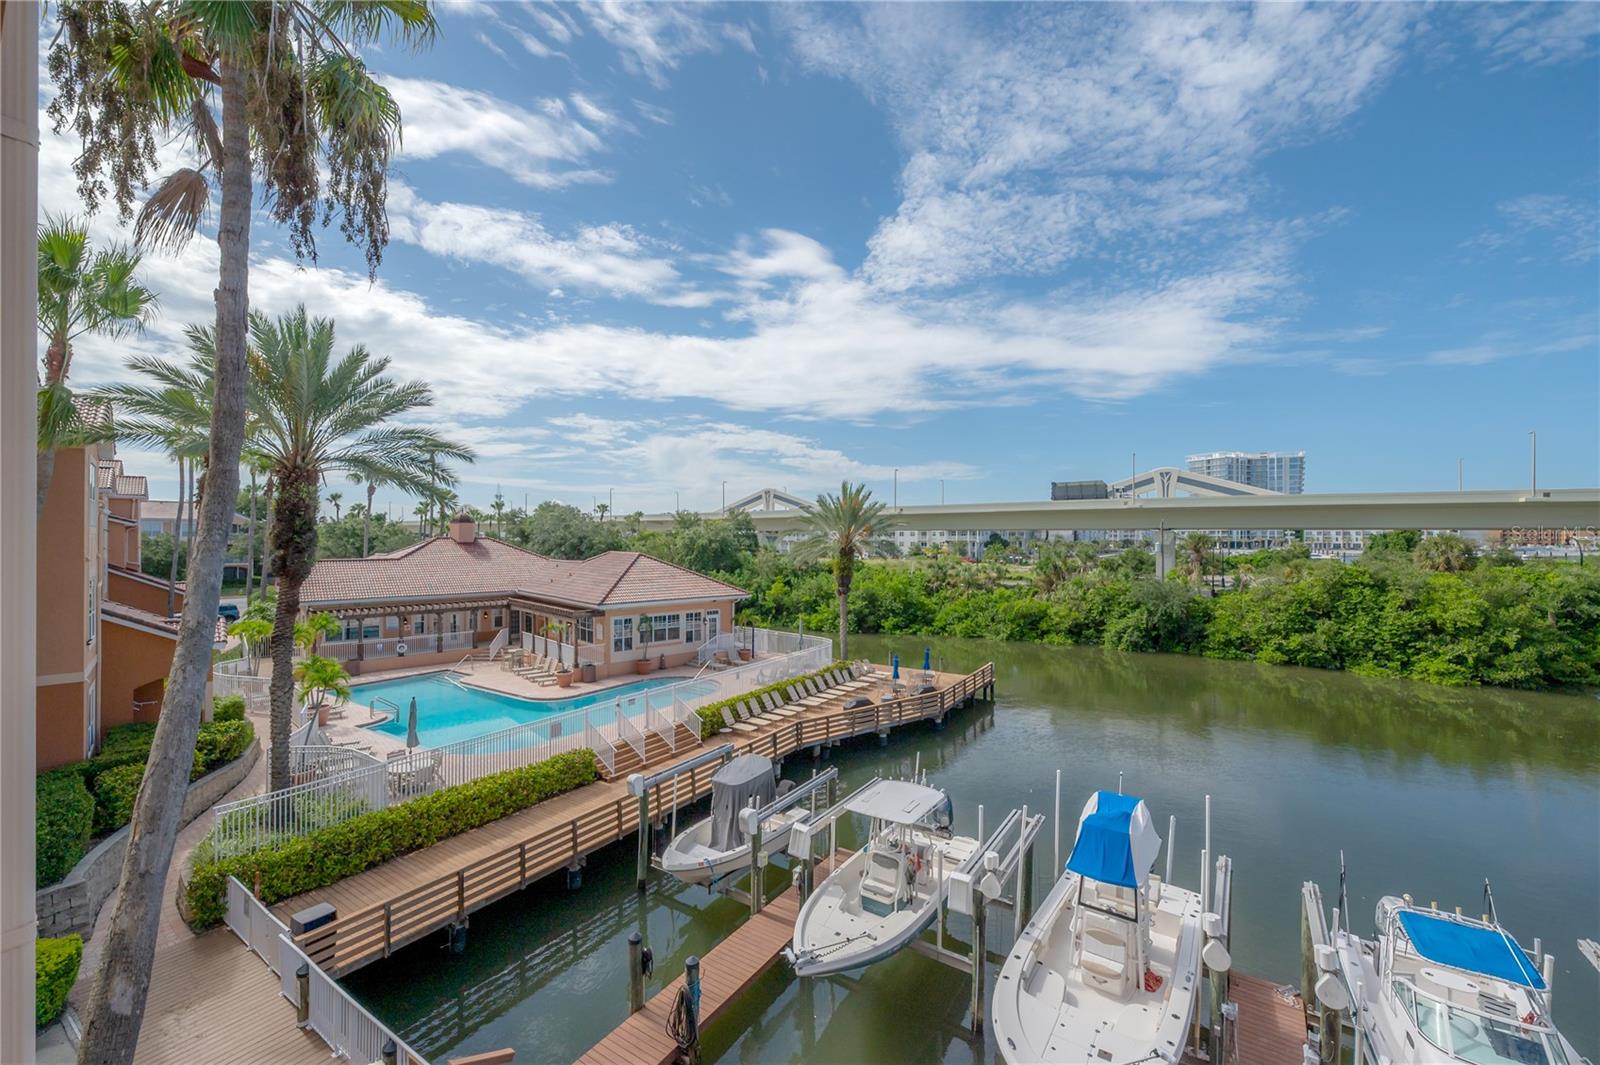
(403, 900)
(731, 967)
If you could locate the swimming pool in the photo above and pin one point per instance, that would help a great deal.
(448, 713)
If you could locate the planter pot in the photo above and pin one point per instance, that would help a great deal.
(564, 679)
(643, 666)
(322, 715)
(744, 654)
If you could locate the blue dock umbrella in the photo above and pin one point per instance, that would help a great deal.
(927, 660)
(894, 663)
(412, 739)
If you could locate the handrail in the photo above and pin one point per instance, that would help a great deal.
(603, 748)
(628, 731)
(498, 645)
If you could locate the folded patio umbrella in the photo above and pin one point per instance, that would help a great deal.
(412, 740)
(894, 664)
(927, 660)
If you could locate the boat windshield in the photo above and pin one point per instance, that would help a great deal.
(1477, 1037)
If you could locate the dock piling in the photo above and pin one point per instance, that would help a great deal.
(302, 1006)
(635, 972)
(979, 921)
(757, 891)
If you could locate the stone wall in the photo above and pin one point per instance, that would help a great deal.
(73, 904)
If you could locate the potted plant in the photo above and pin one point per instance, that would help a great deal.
(643, 665)
(318, 677)
(564, 674)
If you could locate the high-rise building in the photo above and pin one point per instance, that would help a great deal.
(1276, 471)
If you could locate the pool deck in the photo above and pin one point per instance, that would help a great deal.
(426, 891)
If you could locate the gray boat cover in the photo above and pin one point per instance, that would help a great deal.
(745, 781)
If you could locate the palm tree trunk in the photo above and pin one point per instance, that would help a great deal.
(55, 362)
(294, 549)
(250, 548)
(177, 528)
(844, 614)
(117, 1005)
(366, 522)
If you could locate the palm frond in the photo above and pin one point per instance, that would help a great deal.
(174, 211)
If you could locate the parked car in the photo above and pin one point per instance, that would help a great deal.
(230, 611)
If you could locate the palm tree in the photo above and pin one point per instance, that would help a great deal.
(296, 104)
(170, 411)
(80, 291)
(846, 527)
(424, 513)
(319, 677)
(323, 414)
(1446, 553)
(499, 509)
(335, 498)
(1197, 548)
(372, 483)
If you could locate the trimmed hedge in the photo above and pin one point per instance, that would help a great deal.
(55, 970)
(64, 817)
(227, 708)
(333, 853)
(220, 742)
(109, 782)
(711, 713)
(114, 793)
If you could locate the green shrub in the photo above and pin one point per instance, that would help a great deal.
(220, 742)
(114, 792)
(55, 970)
(64, 816)
(330, 854)
(711, 713)
(124, 745)
(227, 708)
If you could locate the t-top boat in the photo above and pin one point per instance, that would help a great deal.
(1437, 987)
(882, 896)
(1108, 969)
(719, 845)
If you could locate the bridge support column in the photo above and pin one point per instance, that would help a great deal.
(1166, 552)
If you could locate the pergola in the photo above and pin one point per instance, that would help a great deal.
(515, 603)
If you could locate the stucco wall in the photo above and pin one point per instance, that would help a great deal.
(73, 904)
(130, 659)
(58, 738)
(677, 652)
(142, 592)
(65, 553)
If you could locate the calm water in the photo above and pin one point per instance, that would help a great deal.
(448, 712)
(1426, 790)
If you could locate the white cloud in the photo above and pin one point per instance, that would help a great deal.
(1571, 226)
(555, 22)
(652, 113)
(1070, 132)
(1537, 34)
(545, 149)
(652, 38)
(532, 44)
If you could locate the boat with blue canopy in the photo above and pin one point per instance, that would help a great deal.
(1434, 986)
(1108, 969)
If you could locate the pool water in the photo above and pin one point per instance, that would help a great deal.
(448, 712)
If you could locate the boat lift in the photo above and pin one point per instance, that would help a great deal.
(640, 786)
(1005, 856)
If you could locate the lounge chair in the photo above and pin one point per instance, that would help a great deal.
(734, 726)
(757, 712)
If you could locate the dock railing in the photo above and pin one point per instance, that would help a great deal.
(234, 677)
(249, 824)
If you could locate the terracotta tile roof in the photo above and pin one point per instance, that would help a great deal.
(112, 610)
(442, 568)
(110, 478)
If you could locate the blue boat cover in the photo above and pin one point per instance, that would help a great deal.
(1104, 850)
(1474, 948)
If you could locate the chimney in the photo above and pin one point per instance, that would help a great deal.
(463, 530)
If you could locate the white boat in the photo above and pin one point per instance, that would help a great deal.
(1108, 969)
(882, 896)
(719, 845)
(1438, 987)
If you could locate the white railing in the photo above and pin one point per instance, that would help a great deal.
(252, 922)
(721, 642)
(351, 1032)
(249, 824)
(235, 677)
(324, 760)
(498, 645)
(450, 641)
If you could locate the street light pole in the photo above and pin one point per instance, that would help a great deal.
(897, 488)
(1533, 458)
(1460, 482)
(724, 497)
(941, 491)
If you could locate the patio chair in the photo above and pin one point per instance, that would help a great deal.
(734, 726)
(753, 712)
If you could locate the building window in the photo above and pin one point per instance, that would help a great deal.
(585, 630)
(621, 634)
(499, 619)
(455, 623)
(666, 628)
(693, 627)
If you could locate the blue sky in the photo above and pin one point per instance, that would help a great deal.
(649, 248)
